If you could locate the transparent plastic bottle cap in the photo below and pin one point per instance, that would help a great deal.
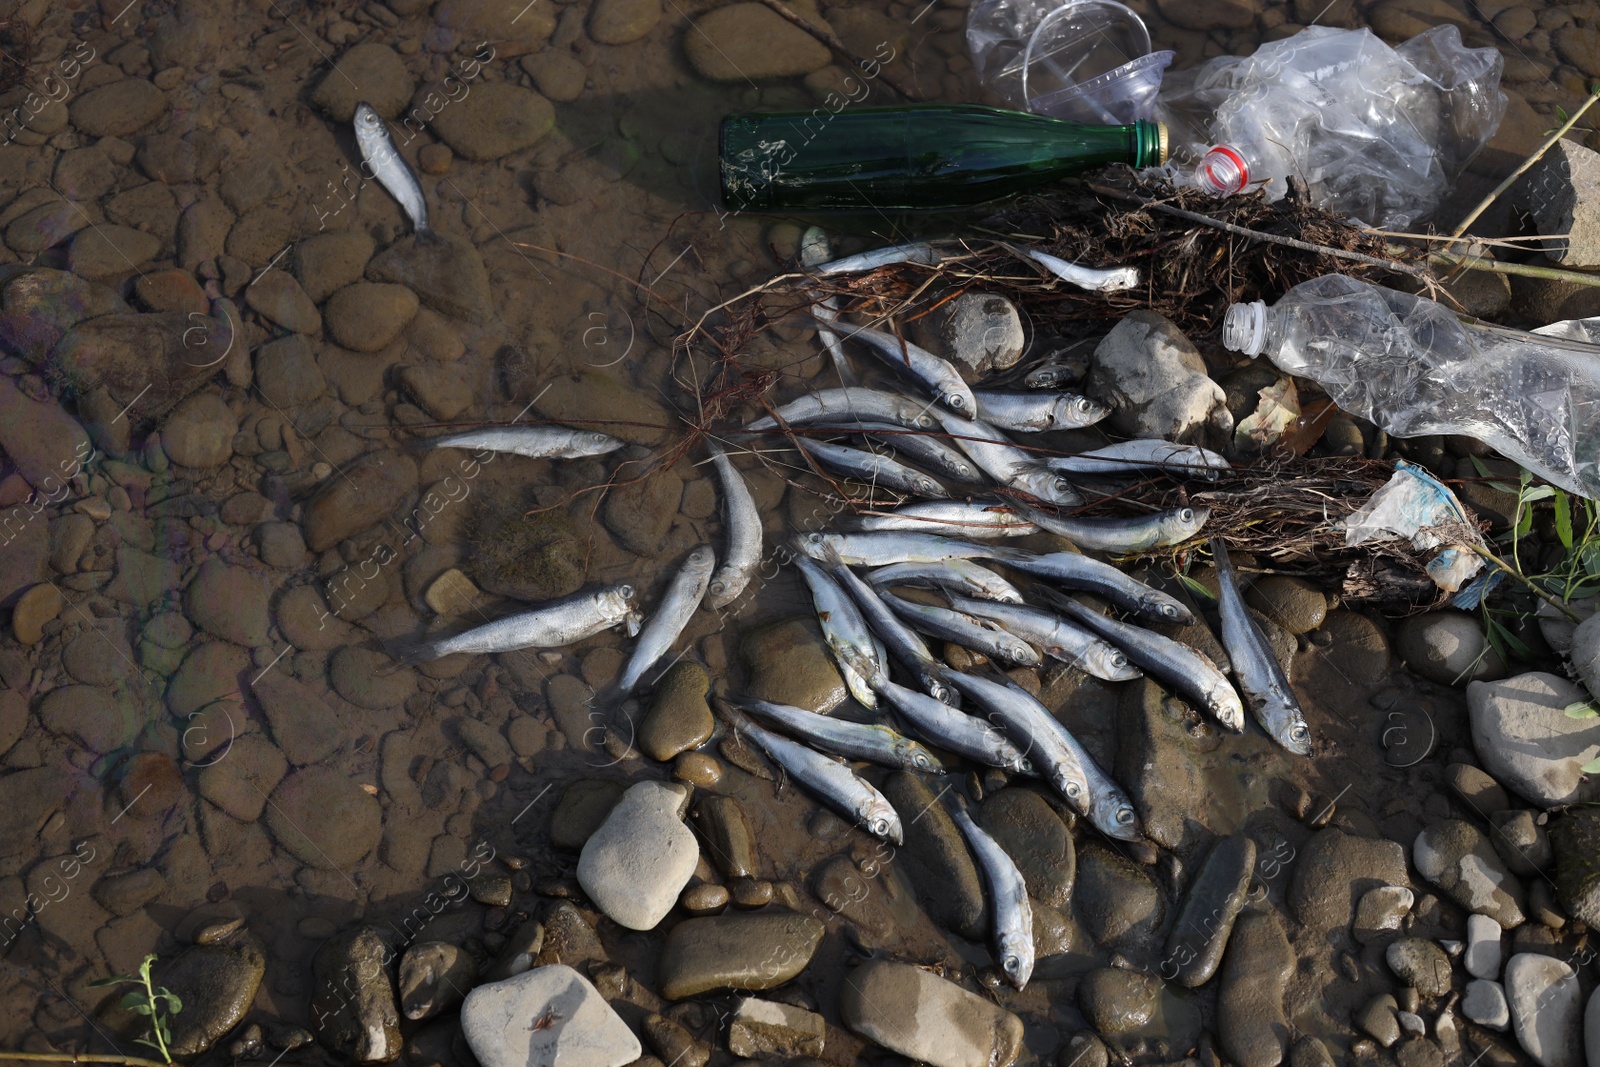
(1222, 171)
(1244, 328)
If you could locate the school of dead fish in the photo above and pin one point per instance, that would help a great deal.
(945, 432)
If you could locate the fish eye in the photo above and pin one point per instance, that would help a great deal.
(921, 761)
(1125, 816)
(1169, 610)
(1186, 515)
(1299, 732)
(1011, 965)
(1026, 766)
(879, 827)
(625, 592)
(1063, 486)
(1073, 790)
(813, 539)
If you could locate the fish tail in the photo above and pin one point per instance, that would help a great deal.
(1007, 555)
(426, 235)
(410, 651)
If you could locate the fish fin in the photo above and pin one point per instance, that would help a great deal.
(1007, 555)
(427, 236)
(410, 651)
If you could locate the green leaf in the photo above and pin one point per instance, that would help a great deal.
(1507, 639)
(1592, 767)
(1503, 487)
(1583, 709)
(114, 980)
(1538, 493)
(133, 999)
(1481, 467)
(1524, 522)
(172, 998)
(1196, 588)
(1563, 507)
(1590, 555)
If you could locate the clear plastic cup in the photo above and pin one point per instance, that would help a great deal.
(1090, 61)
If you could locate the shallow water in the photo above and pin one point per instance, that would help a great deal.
(599, 243)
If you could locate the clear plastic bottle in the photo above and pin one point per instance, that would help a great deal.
(1413, 367)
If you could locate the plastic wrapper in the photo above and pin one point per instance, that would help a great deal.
(1417, 507)
(1377, 133)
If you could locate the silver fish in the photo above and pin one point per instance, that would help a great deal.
(1056, 636)
(1009, 907)
(896, 636)
(921, 447)
(1104, 281)
(877, 549)
(872, 468)
(1123, 536)
(852, 740)
(1003, 461)
(1050, 374)
(1077, 571)
(1032, 728)
(661, 631)
(1109, 809)
(980, 635)
(934, 373)
(1145, 454)
(969, 518)
(826, 312)
(536, 442)
(852, 402)
(1036, 411)
(961, 575)
(965, 735)
(1175, 664)
(915, 252)
(846, 632)
(384, 161)
(1256, 668)
(835, 784)
(742, 553)
(553, 625)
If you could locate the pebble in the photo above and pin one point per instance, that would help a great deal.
(1380, 911)
(124, 894)
(1591, 1028)
(1116, 1001)
(1421, 964)
(580, 1029)
(435, 159)
(447, 275)
(353, 1008)
(40, 440)
(278, 298)
(171, 290)
(1480, 792)
(557, 76)
(1256, 969)
(217, 985)
(674, 1042)
(286, 371)
(1484, 1002)
(750, 893)
(518, 953)
(434, 976)
(109, 251)
(1114, 897)
(119, 109)
(679, 718)
(369, 72)
(1546, 1008)
(1156, 382)
(705, 898)
(1219, 15)
(1526, 741)
(749, 41)
(1521, 842)
(936, 858)
(495, 119)
(327, 262)
(978, 332)
(443, 392)
(1458, 859)
(1083, 1049)
(1206, 917)
(347, 818)
(1334, 868)
(926, 1018)
(1033, 835)
(1448, 647)
(697, 769)
(209, 672)
(768, 1029)
(281, 545)
(368, 316)
(641, 514)
(617, 22)
(229, 602)
(736, 950)
(1293, 603)
(789, 663)
(1482, 956)
(1575, 839)
(726, 834)
(33, 609)
(1378, 1018)
(92, 716)
(583, 807)
(370, 489)
(368, 679)
(637, 863)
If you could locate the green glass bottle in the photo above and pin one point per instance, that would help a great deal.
(930, 157)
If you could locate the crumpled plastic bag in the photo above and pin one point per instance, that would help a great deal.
(1416, 506)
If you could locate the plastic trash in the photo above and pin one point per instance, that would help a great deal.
(1377, 133)
(1413, 367)
(1082, 60)
(1416, 506)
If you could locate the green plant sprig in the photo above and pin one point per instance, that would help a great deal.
(147, 1000)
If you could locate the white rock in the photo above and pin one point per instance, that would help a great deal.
(1586, 653)
(1557, 629)
(1484, 1002)
(1591, 1029)
(1411, 1023)
(547, 1017)
(637, 863)
(1155, 381)
(1546, 1008)
(1527, 742)
(1483, 947)
(927, 1018)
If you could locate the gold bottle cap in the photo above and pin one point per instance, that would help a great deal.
(1161, 136)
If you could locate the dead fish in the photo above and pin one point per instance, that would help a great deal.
(968, 518)
(661, 631)
(1190, 461)
(554, 625)
(852, 402)
(742, 552)
(959, 575)
(914, 252)
(872, 468)
(1121, 536)
(1010, 911)
(1077, 571)
(535, 442)
(1255, 666)
(872, 742)
(1035, 411)
(1055, 636)
(934, 373)
(1103, 281)
(384, 161)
